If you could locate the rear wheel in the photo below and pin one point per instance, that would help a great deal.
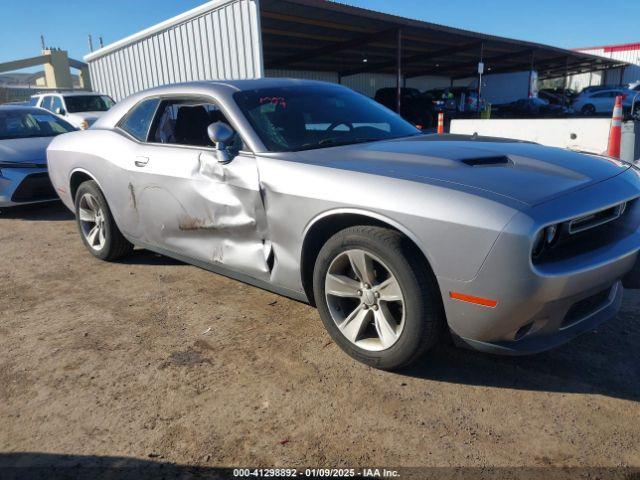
(98, 231)
(377, 297)
(588, 110)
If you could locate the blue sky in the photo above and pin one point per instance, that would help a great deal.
(569, 23)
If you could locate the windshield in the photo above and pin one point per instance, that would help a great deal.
(306, 117)
(88, 103)
(27, 124)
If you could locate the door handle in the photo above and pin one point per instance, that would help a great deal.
(141, 161)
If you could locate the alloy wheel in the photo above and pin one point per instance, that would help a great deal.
(365, 300)
(92, 221)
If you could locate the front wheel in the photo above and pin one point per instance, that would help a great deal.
(98, 230)
(377, 297)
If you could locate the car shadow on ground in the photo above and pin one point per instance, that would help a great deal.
(141, 256)
(36, 465)
(605, 361)
(51, 466)
(50, 212)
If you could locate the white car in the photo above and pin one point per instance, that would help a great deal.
(80, 109)
(602, 101)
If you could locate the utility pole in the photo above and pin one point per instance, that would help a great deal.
(480, 72)
(42, 42)
(90, 43)
(399, 72)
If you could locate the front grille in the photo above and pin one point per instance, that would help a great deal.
(594, 220)
(587, 233)
(34, 187)
(584, 308)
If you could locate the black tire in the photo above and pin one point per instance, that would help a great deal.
(588, 110)
(423, 310)
(115, 245)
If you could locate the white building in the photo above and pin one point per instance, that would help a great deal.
(629, 52)
(317, 39)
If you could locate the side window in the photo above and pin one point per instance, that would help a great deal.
(137, 122)
(46, 103)
(56, 103)
(185, 122)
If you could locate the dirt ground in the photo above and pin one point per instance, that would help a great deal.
(154, 359)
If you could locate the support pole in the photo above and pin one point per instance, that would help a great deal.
(480, 78)
(531, 67)
(565, 83)
(399, 73)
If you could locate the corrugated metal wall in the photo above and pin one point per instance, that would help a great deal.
(583, 80)
(322, 76)
(218, 40)
(428, 82)
(369, 83)
(365, 83)
(630, 55)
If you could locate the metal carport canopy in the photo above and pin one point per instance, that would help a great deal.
(326, 36)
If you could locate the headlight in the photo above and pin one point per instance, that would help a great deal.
(84, 125)
(551, 234)
(545, 238)
(538, 243)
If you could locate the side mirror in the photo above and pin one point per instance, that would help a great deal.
(221, 135)
(60, 111)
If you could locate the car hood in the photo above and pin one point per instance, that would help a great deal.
(526, 172)
(28, 151)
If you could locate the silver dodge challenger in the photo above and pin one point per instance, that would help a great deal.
(318, 193)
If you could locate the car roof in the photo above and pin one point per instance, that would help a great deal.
(248, 84)
(67, 94)
(22, 108)
(226, 86)
(613, 89)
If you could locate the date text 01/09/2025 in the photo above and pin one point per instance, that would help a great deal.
(315, 473)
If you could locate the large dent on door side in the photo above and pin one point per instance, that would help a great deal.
(218, 219)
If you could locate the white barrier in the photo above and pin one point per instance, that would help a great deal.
(584, 134)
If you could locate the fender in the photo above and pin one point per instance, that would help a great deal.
(72, 200)
(365, 213)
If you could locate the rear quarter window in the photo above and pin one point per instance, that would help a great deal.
(137, 122)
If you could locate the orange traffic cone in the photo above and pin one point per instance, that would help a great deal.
(440, 123)
(615, 134)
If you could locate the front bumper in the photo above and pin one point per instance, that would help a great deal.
(542, 306)
(556, 329)
(21, 186)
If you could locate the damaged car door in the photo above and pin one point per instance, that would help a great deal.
(189, 203)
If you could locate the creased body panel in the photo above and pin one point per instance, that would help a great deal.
(182, 200)
(190, 204)
(454, 229)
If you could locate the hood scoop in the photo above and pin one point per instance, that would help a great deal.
(487, 161)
